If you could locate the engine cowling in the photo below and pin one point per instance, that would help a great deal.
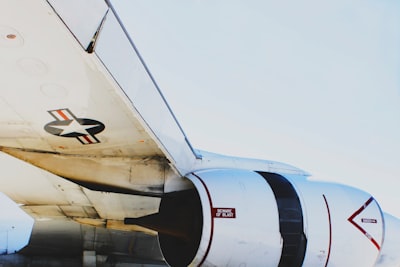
(240, 223)
(246, 218)
(345, 226)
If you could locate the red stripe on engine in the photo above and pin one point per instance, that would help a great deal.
(351, 220)
(361, 208)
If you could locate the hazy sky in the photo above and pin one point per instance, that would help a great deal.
(315, 84)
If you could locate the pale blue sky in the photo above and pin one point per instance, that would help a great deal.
(315, 84)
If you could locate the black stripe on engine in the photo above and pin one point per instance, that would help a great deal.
(290, 220)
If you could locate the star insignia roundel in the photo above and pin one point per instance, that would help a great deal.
(66, 124)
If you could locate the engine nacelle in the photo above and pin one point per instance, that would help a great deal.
(240, 220)
(15, 226)
(245, 218)
(344, 225)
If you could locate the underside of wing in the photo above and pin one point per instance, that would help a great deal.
(77, 100)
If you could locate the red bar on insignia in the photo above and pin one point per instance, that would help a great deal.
(226, 213)
(62, 114)
(87, 139)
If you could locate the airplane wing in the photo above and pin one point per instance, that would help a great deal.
(78, 101)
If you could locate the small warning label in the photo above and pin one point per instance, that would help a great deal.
(228, 213)
(367, 220)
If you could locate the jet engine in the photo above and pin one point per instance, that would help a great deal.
(245, 218)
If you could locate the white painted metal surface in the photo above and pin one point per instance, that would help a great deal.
(46, 196)
(344, 225)
(214, 161)
(240, 220)
(61, 83)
